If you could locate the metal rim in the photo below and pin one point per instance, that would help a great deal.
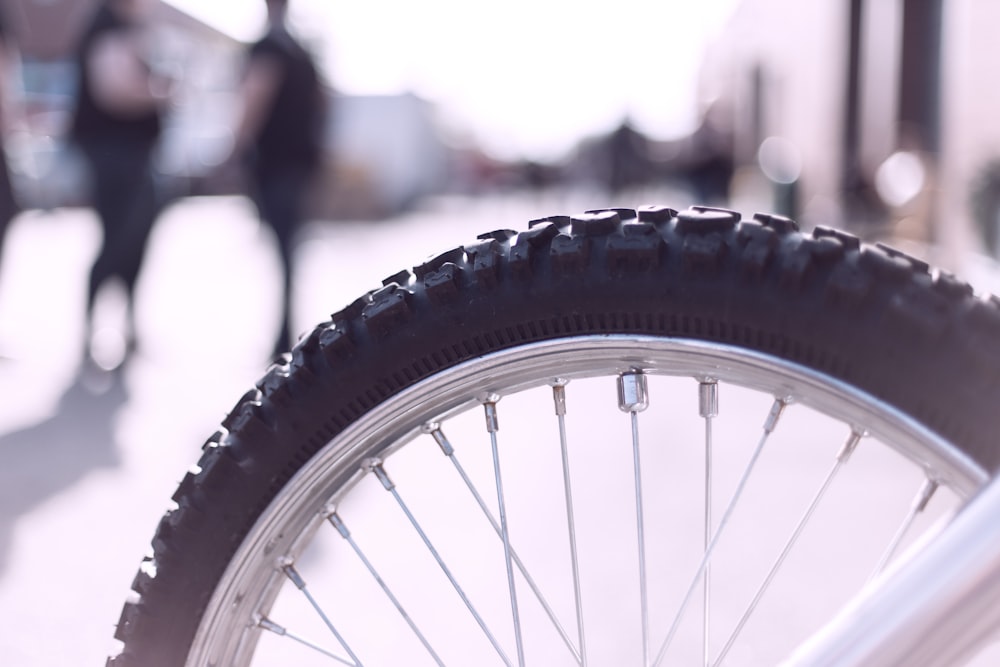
(228, 631)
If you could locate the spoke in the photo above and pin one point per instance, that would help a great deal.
(300, 583)
(842, 457)
(341, 527)
(492, 426)
(273, 627)
(559, 397)
(383, 477)
(918, 505)
(434, 429)
(633, 398)
(769, 425)
(708, 407)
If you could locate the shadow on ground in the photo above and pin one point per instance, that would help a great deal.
(44, 459)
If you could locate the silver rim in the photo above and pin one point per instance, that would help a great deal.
(577, 625)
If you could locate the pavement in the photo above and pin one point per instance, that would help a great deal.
(85, 471)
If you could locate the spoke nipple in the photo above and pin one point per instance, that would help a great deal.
(267, 624)
(772, 418)
(490, 398)
(559, 397)
(632, 392)
(850, 445)
(708, 398)
(293, 574)
(925, 495)
(442, 440)
(339, 524)
(430, 427)
(383, 476)
(492, 421)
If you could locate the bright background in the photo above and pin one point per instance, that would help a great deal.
(523, 77)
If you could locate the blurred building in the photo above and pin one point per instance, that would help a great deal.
(384, 152)
(876, 112)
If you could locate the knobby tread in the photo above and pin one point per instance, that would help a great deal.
(866, 315)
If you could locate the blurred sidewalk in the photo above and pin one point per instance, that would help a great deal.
(85, 477)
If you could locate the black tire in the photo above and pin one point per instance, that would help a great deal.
(867, 316)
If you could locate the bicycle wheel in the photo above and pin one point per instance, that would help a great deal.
(626, 526)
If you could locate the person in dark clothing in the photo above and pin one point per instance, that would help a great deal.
(116, 125)
(279, 139)
(8, 203)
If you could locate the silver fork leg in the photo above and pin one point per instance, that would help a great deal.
(937, 605)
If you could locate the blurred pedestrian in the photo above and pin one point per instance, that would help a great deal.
(279, 139)
(8, 63)
(116, 125)
(628, 158)
(710, 156)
